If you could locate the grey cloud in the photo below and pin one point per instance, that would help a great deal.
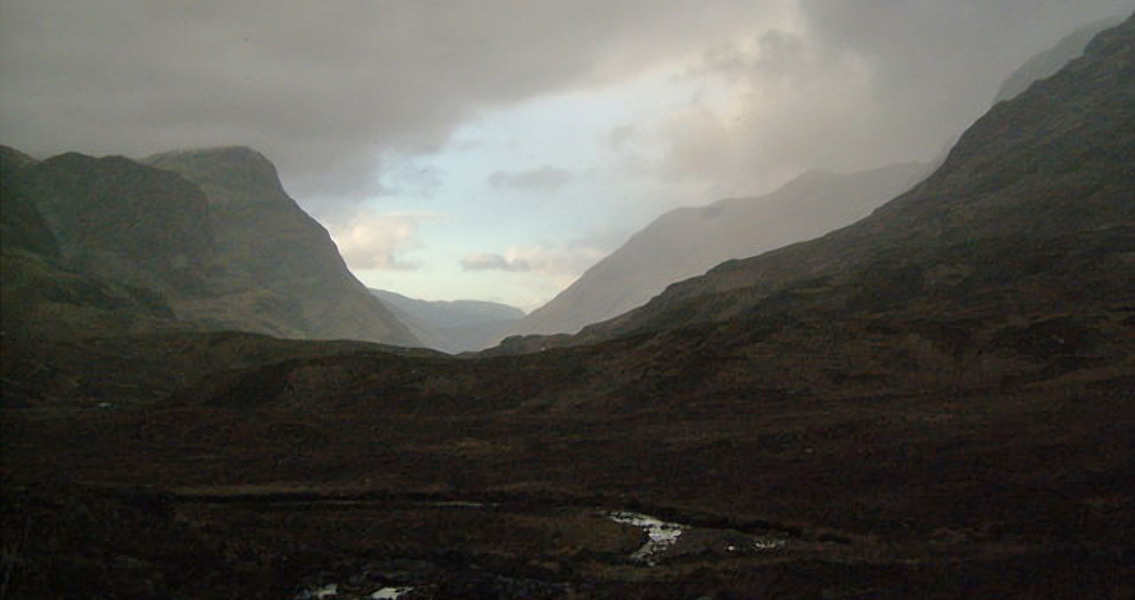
(859, 83)
(494, 262)
(545, 179)
(324, 89)
(331, 90)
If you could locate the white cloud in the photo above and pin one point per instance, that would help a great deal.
(371, 240)
(561, 264)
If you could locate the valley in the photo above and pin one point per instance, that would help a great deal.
(935, 401)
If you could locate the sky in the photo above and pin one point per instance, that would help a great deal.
(495, 149)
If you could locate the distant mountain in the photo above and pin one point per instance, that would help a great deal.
(1036, 173)
(1047, 63)
(207, 238)
(688, 241)
(454, 327)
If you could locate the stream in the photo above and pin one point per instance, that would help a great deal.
(664, 540)
(661, 535)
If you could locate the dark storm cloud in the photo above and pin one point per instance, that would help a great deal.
(325, 89)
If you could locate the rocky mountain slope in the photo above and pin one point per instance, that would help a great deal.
(686, 242)
(45, 297)
(211, 235)
(453, 327)
(121, 221)
(275, 257)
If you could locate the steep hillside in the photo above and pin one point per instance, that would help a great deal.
(1047, 63)
(48, 294)
(273, 256)
(23, 226)
(454, 327)
(221, 247)
(120, 221)
(1054, 161)
(686, 242)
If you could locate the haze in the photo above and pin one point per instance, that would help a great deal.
(496, 150)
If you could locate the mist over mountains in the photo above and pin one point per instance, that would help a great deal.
(452, 326)
(688, 241)
(1052, 162)
(935, 399)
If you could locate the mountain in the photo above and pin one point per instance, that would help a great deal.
(274, 255)
(1055, 161)
(1047, 63)
(121, 221)
(938, 397)
(688, 241)
(209, 235)
(23, 226)
(455, 326)
(46, 292)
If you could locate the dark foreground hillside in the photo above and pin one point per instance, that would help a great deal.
(944, 413)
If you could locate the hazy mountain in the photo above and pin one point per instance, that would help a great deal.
(687, 241)
(1047, 63)
(454, 327)
(1056, 161)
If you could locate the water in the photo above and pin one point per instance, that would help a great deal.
(391, 593)
(661, 534)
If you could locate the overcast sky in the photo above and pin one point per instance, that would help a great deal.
(495, 149)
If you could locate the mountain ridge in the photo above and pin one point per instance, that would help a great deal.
(230, 250)
(1064, 134)
(688, 241)
(452, 326)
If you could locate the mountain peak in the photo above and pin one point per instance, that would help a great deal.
(238, 169)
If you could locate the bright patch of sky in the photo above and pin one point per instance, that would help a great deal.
(522, 182)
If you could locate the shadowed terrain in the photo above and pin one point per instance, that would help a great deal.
(933, 402)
